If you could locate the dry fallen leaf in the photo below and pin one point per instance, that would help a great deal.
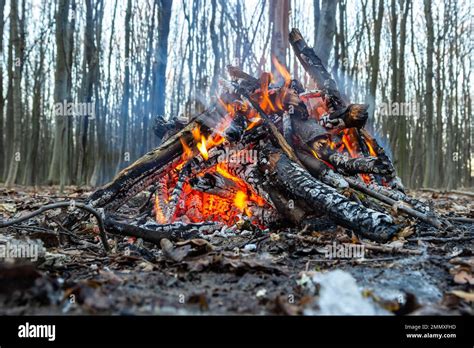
(468, 296)
(406, 231)
(463, 277)
(7, 208)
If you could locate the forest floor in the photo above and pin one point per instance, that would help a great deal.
(286, 271)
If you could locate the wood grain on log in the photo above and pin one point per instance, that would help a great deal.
(154, 233)
(302, 186)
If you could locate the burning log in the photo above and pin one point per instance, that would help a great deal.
(394, 181)
(352, 116)
(301, 185)
(141, 174)
(215, 184)
(340, 115)
(315, 68)
(247, 82)
(347, 165)
(150, 167)
(321, 171)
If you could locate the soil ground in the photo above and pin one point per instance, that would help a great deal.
(422, 271)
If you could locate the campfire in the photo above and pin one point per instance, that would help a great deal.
(266, 153)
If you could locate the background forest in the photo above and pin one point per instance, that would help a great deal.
(83, 81)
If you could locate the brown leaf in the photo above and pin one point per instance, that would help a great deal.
(406, 231)
(467, 296)
(172, 253)
(463, 277)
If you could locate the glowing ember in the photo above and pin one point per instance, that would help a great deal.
(160, 216)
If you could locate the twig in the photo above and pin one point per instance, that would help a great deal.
(462, 219)
(446, 192)
(388, 249)
(432, 220)
(72, 204)
(441, 239)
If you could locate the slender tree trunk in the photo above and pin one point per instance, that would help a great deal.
(391, 124)
(326, 30)
(101, 169)
(124, 112)
(147, 110)
(86, 91)
(62, 94)
(161, 57)
(16, 156)
(2, 100)
(429, 169)
(402, 148)
(317, 18)
(440, 85)
(375, 57)
(33, 163)
(215, 46)
(279, 20)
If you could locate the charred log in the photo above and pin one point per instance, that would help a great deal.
(315, 68)
(302, 186)
(154, 233)
(215, 184)
(352, 116)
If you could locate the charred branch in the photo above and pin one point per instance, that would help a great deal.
(302, 186)
(154, 233)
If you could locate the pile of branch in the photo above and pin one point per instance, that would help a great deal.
(304, 168)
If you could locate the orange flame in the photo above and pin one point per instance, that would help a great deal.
(347, 143)
(371, 148)
(284, 90)
(187, 152)
(202, 147)
(266, 103)
(240, 200)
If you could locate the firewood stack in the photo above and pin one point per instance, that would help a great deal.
(267, 153)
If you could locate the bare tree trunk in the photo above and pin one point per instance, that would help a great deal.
(317, 18)
(402, 148)
(161, 58)
(86, 91)
(391, 124)
(146, 97)
(375, 57)
(124, 110)
(100, 172)
(279, 20)
(15, 23)
(440, 85)
(326, 30)
(429, 169)
(62, 94)
(2, 100)
(215, 47)
(33, 163)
